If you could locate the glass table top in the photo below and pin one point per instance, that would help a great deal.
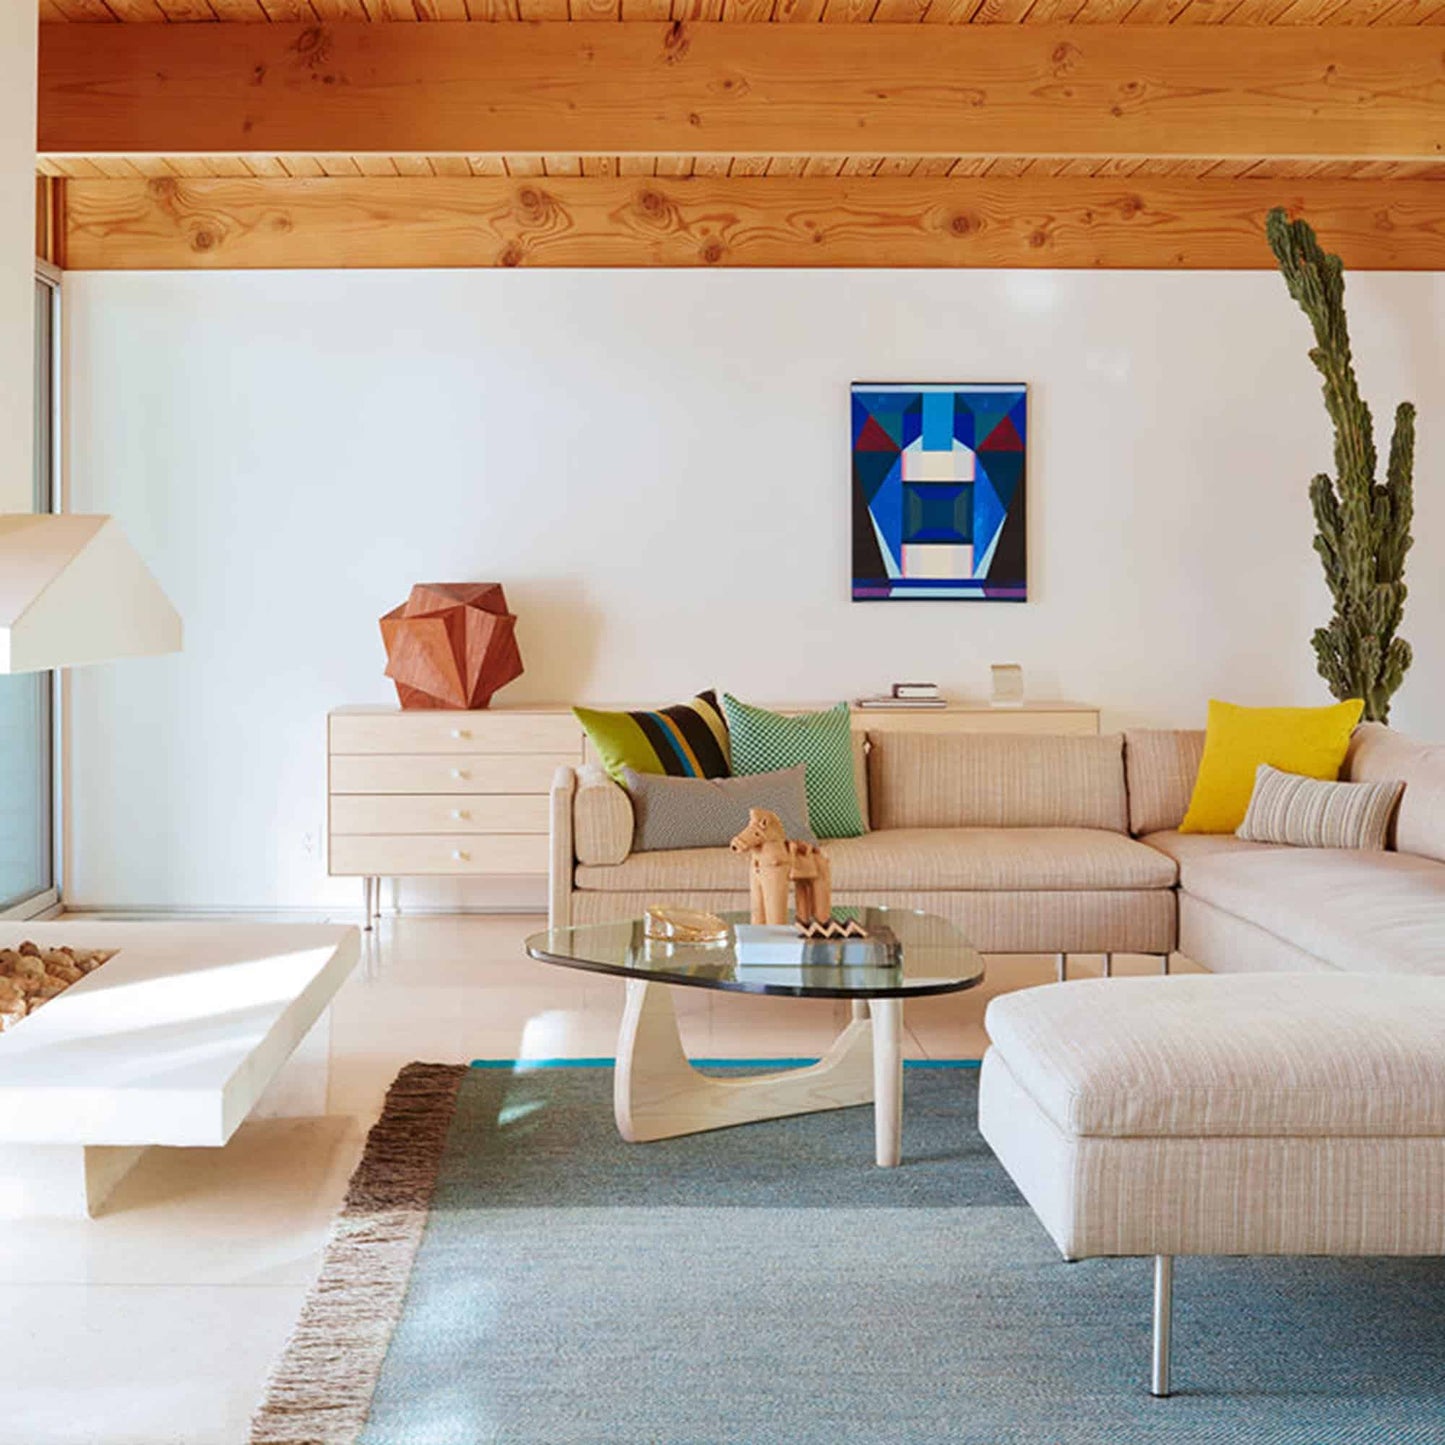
(935, 958)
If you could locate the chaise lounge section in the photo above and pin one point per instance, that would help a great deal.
(1254, 1115)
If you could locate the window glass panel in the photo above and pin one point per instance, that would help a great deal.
(26, 777)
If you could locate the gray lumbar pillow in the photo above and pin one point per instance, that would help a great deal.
(710, 812)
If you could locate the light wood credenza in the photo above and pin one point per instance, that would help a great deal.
(415, 794)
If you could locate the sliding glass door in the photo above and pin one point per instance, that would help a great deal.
(27, 756)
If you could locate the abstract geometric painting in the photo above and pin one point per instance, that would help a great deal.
(938, 492)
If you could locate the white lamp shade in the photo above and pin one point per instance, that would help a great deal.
(73, 590)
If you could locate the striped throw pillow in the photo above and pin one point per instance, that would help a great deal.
(1306, 813)
(688, 740)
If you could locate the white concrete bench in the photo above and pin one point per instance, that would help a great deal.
(1243, 1114)
(173, 1041)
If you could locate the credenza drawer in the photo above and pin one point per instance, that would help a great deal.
(412, 773)
(456, 732)
(438, 813)
(400, 856)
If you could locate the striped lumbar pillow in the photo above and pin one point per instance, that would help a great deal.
(688, 740)
(1287, 808)
(764, 741)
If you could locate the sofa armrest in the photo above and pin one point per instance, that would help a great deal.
(562, 853)
(602, 820)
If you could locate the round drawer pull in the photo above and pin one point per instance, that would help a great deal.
(460, 855)
(460, 813)
(460, 733)
(460, 773)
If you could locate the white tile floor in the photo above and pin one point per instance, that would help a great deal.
(158, 1322)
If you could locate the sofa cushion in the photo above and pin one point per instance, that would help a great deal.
(980, 780)
(1361, 912)
(1160, 766)
(1249, 1055)
(922, 859)
(1379, 754)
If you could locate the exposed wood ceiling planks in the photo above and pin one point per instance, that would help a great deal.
(948, 12)
(647, 89)
(576, 221)
(774, 167)
(1354, 136)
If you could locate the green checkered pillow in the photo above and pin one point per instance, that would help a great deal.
(763, 742)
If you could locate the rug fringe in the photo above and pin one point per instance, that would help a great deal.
(320, 1390)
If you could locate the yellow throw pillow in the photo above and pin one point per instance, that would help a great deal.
(1310, 741)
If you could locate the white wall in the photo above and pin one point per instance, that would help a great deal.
(656, 466)
(18, 19)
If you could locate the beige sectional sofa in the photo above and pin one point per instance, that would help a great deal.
(1257, 907)
(1065, 845)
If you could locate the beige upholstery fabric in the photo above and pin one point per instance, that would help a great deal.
(1254, 1055)
(1379, 754)
(1212, 1195)
(601, 818)
(922, 860)
(560, 851)
(1187, 849)
(1080, 922)
(860, 775)
(1223, 943)
(1362, 912)
(1160, 766)
(978, 780)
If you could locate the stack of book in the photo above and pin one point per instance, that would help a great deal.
(907, 695)
(758, 945)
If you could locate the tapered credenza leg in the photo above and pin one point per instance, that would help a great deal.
(887, 1080)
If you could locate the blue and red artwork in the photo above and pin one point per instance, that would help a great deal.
(938, 492)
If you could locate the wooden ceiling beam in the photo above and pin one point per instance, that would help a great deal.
(683, 88)
(730, 221)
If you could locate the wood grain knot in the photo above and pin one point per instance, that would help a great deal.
(1131, 206)
(163, 188)
(651, 203)
(963, 224)
(713, 251)
(1065, 56)
(511, 254)
(1038, 239)
(532, 202)
(675, 43)
(203, 240)
(313, 46)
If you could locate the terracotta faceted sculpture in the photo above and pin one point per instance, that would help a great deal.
(451, 645)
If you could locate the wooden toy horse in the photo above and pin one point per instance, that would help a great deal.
(778, 860)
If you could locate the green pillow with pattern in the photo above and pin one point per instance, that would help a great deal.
(763, 742)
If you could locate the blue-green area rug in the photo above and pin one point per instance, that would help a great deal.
(506, 1269)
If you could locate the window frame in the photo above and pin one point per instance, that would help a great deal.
(47, 900)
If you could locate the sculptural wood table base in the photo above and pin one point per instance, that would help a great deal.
(659, 1095)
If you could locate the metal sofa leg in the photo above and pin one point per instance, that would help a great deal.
(1164, 963)
(1163, 1321)
(1108, 965)
(1061, 963)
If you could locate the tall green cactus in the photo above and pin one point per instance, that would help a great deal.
(1363, 526)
